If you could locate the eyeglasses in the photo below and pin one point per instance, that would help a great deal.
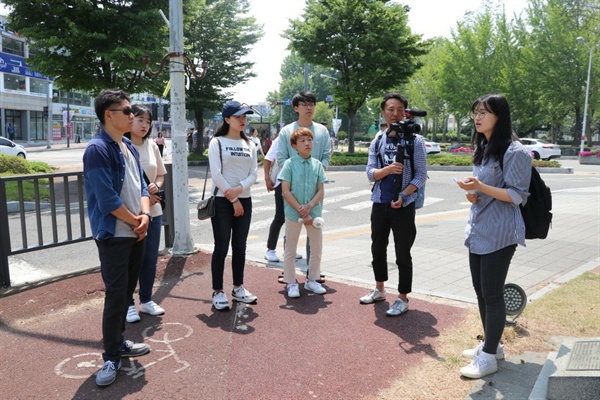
(303, 104)
(480, 114)
(126, 110)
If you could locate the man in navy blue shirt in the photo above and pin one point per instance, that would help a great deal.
(118, 206)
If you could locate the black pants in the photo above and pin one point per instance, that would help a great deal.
(488, 272)
(401, 221)
(120, 263)
(161, 148)
(227, 228)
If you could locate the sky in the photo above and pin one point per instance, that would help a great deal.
(430, 18)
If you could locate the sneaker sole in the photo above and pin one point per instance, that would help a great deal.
(131, 321)
(312, 291)
(372, 301)
(154, 314)
(477, 376)
(146, 351)
(247, 301)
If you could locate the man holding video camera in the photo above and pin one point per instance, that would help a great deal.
(398, 167)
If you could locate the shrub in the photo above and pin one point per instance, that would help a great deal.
(11, 165)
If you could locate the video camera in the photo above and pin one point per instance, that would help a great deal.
(408, 128)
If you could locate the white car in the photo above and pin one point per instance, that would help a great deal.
(432, 147)
(540, 149)
(10, 148)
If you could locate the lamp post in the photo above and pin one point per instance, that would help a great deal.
(587, 93)
(336, 82)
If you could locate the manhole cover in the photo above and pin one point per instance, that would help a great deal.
(585, 356)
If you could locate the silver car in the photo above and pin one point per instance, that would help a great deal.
(10, 148)
(540, 149)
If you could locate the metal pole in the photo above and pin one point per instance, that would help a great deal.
(280, 116)
(49, 121)
(68, 120)
(587, 93)
(182, 240)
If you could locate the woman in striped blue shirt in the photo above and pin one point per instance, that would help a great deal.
(495, 224)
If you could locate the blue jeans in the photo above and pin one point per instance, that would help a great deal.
(228, 228)
(488, 273)
(120, 263)
(401, 221)
(148, 270)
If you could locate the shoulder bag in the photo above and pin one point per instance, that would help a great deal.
(206, 207)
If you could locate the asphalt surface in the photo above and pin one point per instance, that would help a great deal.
(324, 347)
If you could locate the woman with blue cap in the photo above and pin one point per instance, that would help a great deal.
(233, 164)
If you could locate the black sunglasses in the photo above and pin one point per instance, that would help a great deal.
(126, 110)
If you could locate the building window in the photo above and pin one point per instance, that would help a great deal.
(13, 46)
(14, 82)
(14, 117)
(37, 127)
(38, 86)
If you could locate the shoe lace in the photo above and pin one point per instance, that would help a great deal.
(109, 365)
(398, 304)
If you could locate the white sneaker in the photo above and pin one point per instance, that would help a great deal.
(293, 289)
(271, 256)
(151, 308)
(474, 352)
(132, 315)
(373, 296)
(220, 301)
(398, 307)
(315, 287)
(482, 365)
(242, 295)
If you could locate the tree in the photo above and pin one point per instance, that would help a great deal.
(218, 31)
(93, 45)
(367, 42)
(422, 89)
(557, 63)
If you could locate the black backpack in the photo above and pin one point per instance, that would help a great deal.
(536, 212)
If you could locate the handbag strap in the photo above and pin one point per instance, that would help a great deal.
(207, 167)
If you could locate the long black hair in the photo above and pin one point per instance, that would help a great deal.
(224, 129)
(502, 134)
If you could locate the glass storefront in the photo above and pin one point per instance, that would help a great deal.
(37, 125)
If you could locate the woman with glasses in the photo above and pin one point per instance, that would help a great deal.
(233, 165)
(155, 171)
(495, 225)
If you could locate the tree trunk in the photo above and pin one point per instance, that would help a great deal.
(199, 116)
(351, 118)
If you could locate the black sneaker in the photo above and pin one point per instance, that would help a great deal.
(131, 349)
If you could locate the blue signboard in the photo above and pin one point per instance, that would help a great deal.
(16, 65)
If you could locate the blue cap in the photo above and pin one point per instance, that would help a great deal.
(235, 108)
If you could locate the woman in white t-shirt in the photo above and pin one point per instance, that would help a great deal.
(155, 171)
(232, 158)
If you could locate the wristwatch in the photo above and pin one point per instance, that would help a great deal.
(147, 214)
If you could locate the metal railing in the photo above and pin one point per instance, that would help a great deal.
(55, 220)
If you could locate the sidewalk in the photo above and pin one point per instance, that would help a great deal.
(325, 347)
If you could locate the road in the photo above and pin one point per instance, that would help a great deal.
(346, 204)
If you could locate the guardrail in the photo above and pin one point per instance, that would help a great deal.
(55, 221)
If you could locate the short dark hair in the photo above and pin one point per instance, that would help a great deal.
(107, 98)
(394, 95)
(303, 96)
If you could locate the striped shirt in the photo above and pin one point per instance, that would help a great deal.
(388, 150)
(495, 224)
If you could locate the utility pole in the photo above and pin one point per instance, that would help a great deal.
(182, 240)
